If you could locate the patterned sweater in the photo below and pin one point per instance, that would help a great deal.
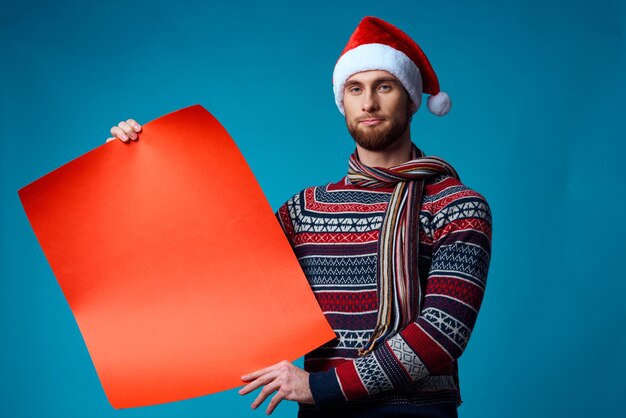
(333, 230)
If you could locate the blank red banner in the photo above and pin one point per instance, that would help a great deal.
(175, 268)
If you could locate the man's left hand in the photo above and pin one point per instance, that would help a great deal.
(291, 382)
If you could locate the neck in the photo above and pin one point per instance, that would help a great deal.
(395, 154)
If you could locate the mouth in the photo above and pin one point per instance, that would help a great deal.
(371, 121)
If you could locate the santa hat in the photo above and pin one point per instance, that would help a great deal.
(378, 45)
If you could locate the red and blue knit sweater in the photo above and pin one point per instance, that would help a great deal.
(333, 230)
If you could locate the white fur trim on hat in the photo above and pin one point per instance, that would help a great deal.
(368, 57)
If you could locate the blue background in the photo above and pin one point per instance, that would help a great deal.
(537, 127)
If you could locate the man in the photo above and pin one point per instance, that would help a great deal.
(397, 252)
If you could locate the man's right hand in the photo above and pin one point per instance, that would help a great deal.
(125, 131)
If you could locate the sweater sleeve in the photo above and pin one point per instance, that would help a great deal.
(454, 291)
(283, 216)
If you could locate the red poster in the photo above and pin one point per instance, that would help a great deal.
(174, 266)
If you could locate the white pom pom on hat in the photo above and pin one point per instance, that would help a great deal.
(378, 45)
(439, 104)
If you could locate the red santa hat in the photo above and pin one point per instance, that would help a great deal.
(378, 45)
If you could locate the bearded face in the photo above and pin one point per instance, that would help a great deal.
(377, 108)
(378, 137)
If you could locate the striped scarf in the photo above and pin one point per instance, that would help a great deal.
(399, 291)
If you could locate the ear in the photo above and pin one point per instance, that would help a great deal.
(412, 107)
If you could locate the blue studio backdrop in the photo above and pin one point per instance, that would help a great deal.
(537, 127)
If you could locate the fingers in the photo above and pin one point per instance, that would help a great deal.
(136, 126)
(265, 392)
(120, 134)
(257, 383)
(251, 376)
(274, 402)
(128, 131)
(125, 131)
(287, 380)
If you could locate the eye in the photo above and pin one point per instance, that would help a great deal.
(384, 87)
(354, 89)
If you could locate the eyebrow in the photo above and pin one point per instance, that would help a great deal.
(375, 81)
(387, 79)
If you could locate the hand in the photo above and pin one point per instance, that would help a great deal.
(125, 131)
(291, 382)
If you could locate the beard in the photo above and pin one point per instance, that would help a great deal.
(380, 137)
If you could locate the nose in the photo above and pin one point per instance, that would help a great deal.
(370, 102)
